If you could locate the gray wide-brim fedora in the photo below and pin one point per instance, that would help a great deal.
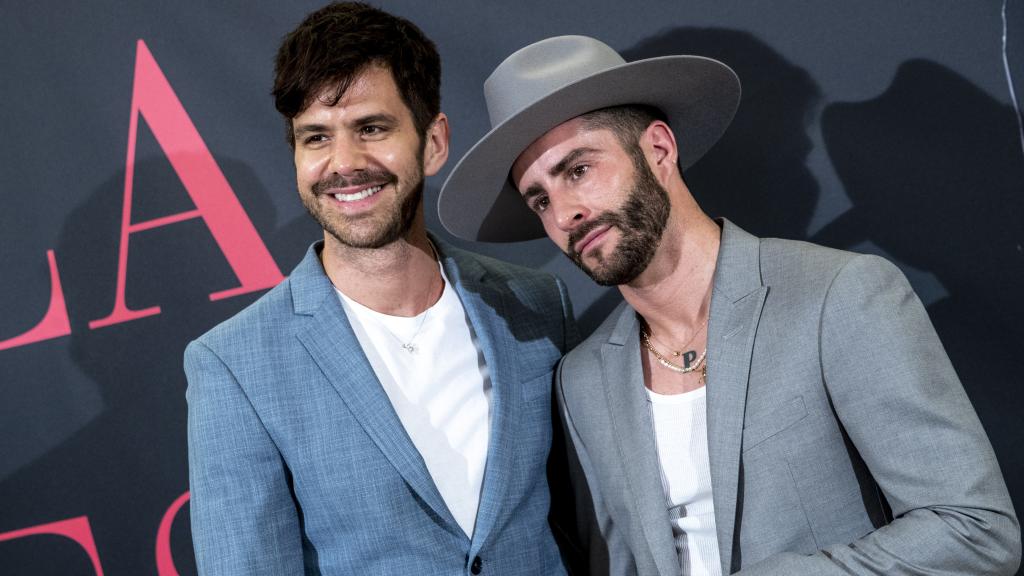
(555, 80)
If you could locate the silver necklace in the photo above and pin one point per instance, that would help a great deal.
(410, 346)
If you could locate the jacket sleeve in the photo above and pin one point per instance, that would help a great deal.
(244, 519)
(898, 398)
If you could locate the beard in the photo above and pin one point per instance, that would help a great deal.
(378, 230)
(641, 221)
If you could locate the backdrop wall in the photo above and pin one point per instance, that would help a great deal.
(148, 193)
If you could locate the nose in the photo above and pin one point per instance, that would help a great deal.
(569, 212)
(347, 157)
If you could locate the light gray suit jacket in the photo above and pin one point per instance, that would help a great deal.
(840, 439)
(299, 464)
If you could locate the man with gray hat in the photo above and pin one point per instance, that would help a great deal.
(755, 405)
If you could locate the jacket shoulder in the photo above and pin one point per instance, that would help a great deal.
(263, 319)
(536, 289)
(501, 268)
(798, 262)
(806, 268)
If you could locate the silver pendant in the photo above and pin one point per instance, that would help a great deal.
(409, 347)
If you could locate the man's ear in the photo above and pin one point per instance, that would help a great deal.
(435, 145)
(659, 144)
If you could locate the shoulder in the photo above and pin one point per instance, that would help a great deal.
(267, 306)
(807, 283)
(497, 268)
(810, 269)
(795, 261)
(261, 321)
(529, 285)
(275, 316)
(532, 304)
(584, 361)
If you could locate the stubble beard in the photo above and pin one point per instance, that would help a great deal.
(391, 226)
(641, 221)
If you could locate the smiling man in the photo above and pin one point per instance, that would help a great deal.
(758, 406)
(387, 408)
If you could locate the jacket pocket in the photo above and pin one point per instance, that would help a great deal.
(778, 420)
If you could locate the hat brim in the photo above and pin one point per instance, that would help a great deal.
(698, 95)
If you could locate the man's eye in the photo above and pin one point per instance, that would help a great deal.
(372, 130)
(578, 171)
(541, 204)
(315, 139)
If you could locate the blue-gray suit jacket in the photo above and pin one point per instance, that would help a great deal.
(298, 463)
(840, 439)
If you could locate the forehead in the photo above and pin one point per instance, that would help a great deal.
(371, 88)
(550, 148)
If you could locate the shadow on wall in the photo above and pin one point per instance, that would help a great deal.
(935, 172)
(757, 174)
(129, 463)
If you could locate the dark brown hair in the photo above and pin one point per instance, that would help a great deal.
(627, 122)
(337, 42)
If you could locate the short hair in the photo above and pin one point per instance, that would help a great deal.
(626, 122)
(337, 42)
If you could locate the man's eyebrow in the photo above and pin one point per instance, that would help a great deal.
(569, 158)
(299, 130)
(381, 118)
(536, 189)
(531, 191)
(368, 120)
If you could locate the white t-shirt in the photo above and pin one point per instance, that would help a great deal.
(681, 431)
(441, 391)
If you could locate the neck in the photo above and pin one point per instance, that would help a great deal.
(673, 293)
(400, 279)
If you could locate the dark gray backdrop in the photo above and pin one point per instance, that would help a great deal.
(876, 126)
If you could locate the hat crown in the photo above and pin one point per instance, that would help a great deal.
(543, 68)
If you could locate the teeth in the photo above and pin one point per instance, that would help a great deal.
(357, 195)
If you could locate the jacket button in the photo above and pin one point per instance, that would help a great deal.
(477, 566)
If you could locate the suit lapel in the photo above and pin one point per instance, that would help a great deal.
(629, 407)
(736, 302)
(330, 341)
(485, 305)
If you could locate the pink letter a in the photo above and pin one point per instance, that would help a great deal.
(216, 203)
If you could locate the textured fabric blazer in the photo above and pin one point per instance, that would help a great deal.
(840, 439)
(298, 463)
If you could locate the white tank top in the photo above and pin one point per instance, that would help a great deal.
(681, 432)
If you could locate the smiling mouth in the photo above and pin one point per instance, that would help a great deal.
(362, 194)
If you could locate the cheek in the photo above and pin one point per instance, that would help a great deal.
(303, 179)
(308, 167)
(555, 234)
(301, 162)
(389, 159)
(399, 158)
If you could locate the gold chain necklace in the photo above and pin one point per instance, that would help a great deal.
(700, 363)
(646, 339)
